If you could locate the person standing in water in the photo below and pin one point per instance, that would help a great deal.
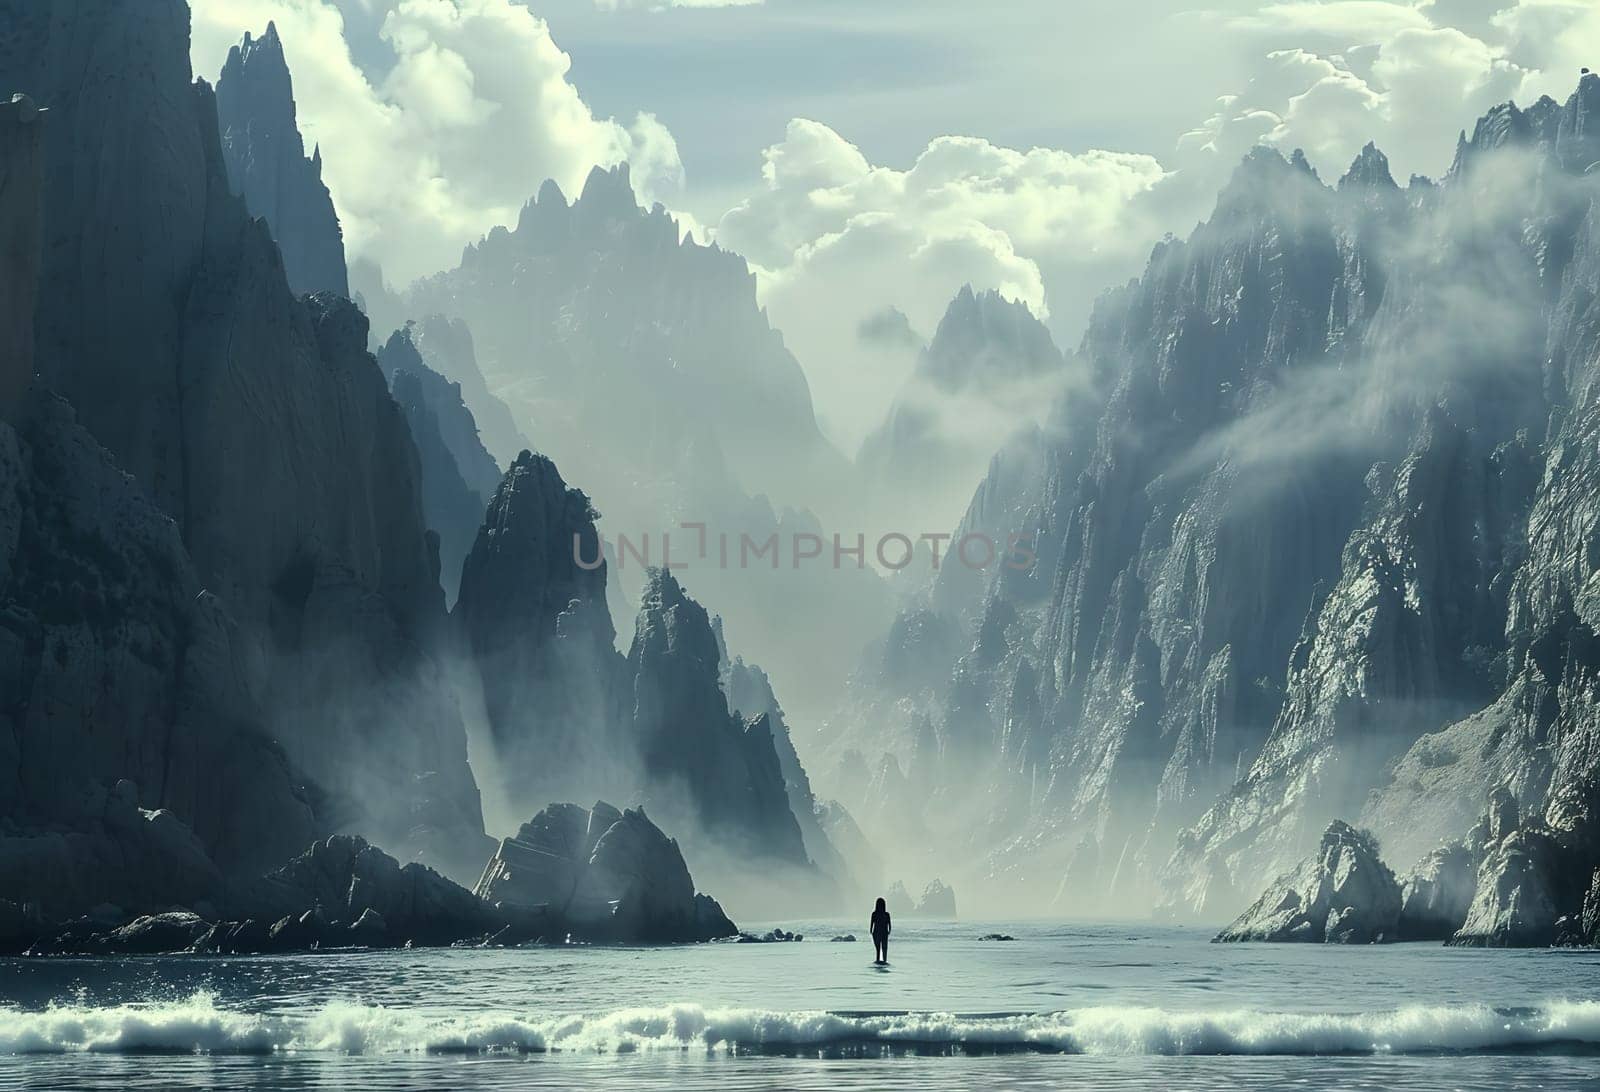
(880, 932)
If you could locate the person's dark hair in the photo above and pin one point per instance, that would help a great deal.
(881, 907)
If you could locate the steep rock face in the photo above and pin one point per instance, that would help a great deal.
(267, 165)
(1540, 735)
(100, 598)
(990, 369)
(258, 421)
(1533, 870)
(1343, 894)
(454, 422)
(718, 772)
(446, 347)
(1311, 533)
(21, 185)
(1436, 895)
(605, 874)
(750, 697)
(536, 624)
(458, 475)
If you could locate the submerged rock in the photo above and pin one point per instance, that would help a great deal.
(602, 875)
(1342, 894)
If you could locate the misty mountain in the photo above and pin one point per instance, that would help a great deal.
(1313, 521)
(267, 164)
(569, 715)
(458, 475)
(642, 364)
(446, 347)
(259, 424)
(990, 370)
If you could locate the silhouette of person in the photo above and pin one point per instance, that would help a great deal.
(880, 933)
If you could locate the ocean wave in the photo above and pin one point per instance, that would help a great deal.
(197, 1024)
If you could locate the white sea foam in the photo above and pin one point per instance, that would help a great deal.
(199, 1025)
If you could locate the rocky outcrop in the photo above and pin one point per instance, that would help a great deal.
(1436, 894)
(750, 696)
(1343, 894)
(260, 424)
(603, 874)
(1533, 871)
(712, 771)
(532, 614)
(21, 185)
(344, 880)
(446, 347)
(268, 167)
(1516, 902)
(458, 475)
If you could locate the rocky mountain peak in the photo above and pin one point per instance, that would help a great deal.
(268, 167)
(1369, 170)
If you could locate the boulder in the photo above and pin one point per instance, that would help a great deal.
(1342, 894)
(1436, 894)
(603, 874)
(175, 931)
(343, 877)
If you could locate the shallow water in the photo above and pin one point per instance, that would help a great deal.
(1115, 1006)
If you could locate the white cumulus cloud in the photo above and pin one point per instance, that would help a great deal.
(839, 240)
(470, 111)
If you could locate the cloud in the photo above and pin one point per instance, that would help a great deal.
(456, 112)
(838, 241)
(1390, 88)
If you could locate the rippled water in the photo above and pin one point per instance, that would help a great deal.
(1108, 1005)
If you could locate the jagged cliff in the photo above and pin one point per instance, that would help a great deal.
(98, 597)
(536, 625)
(267, 165)
(1303, 529)
(458, 475)
(256, 420)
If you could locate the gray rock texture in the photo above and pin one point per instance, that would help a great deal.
(256, 420)
(1343, 894)
(267, 165)
(1314, 546)
(602, 874)
(536, 625)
